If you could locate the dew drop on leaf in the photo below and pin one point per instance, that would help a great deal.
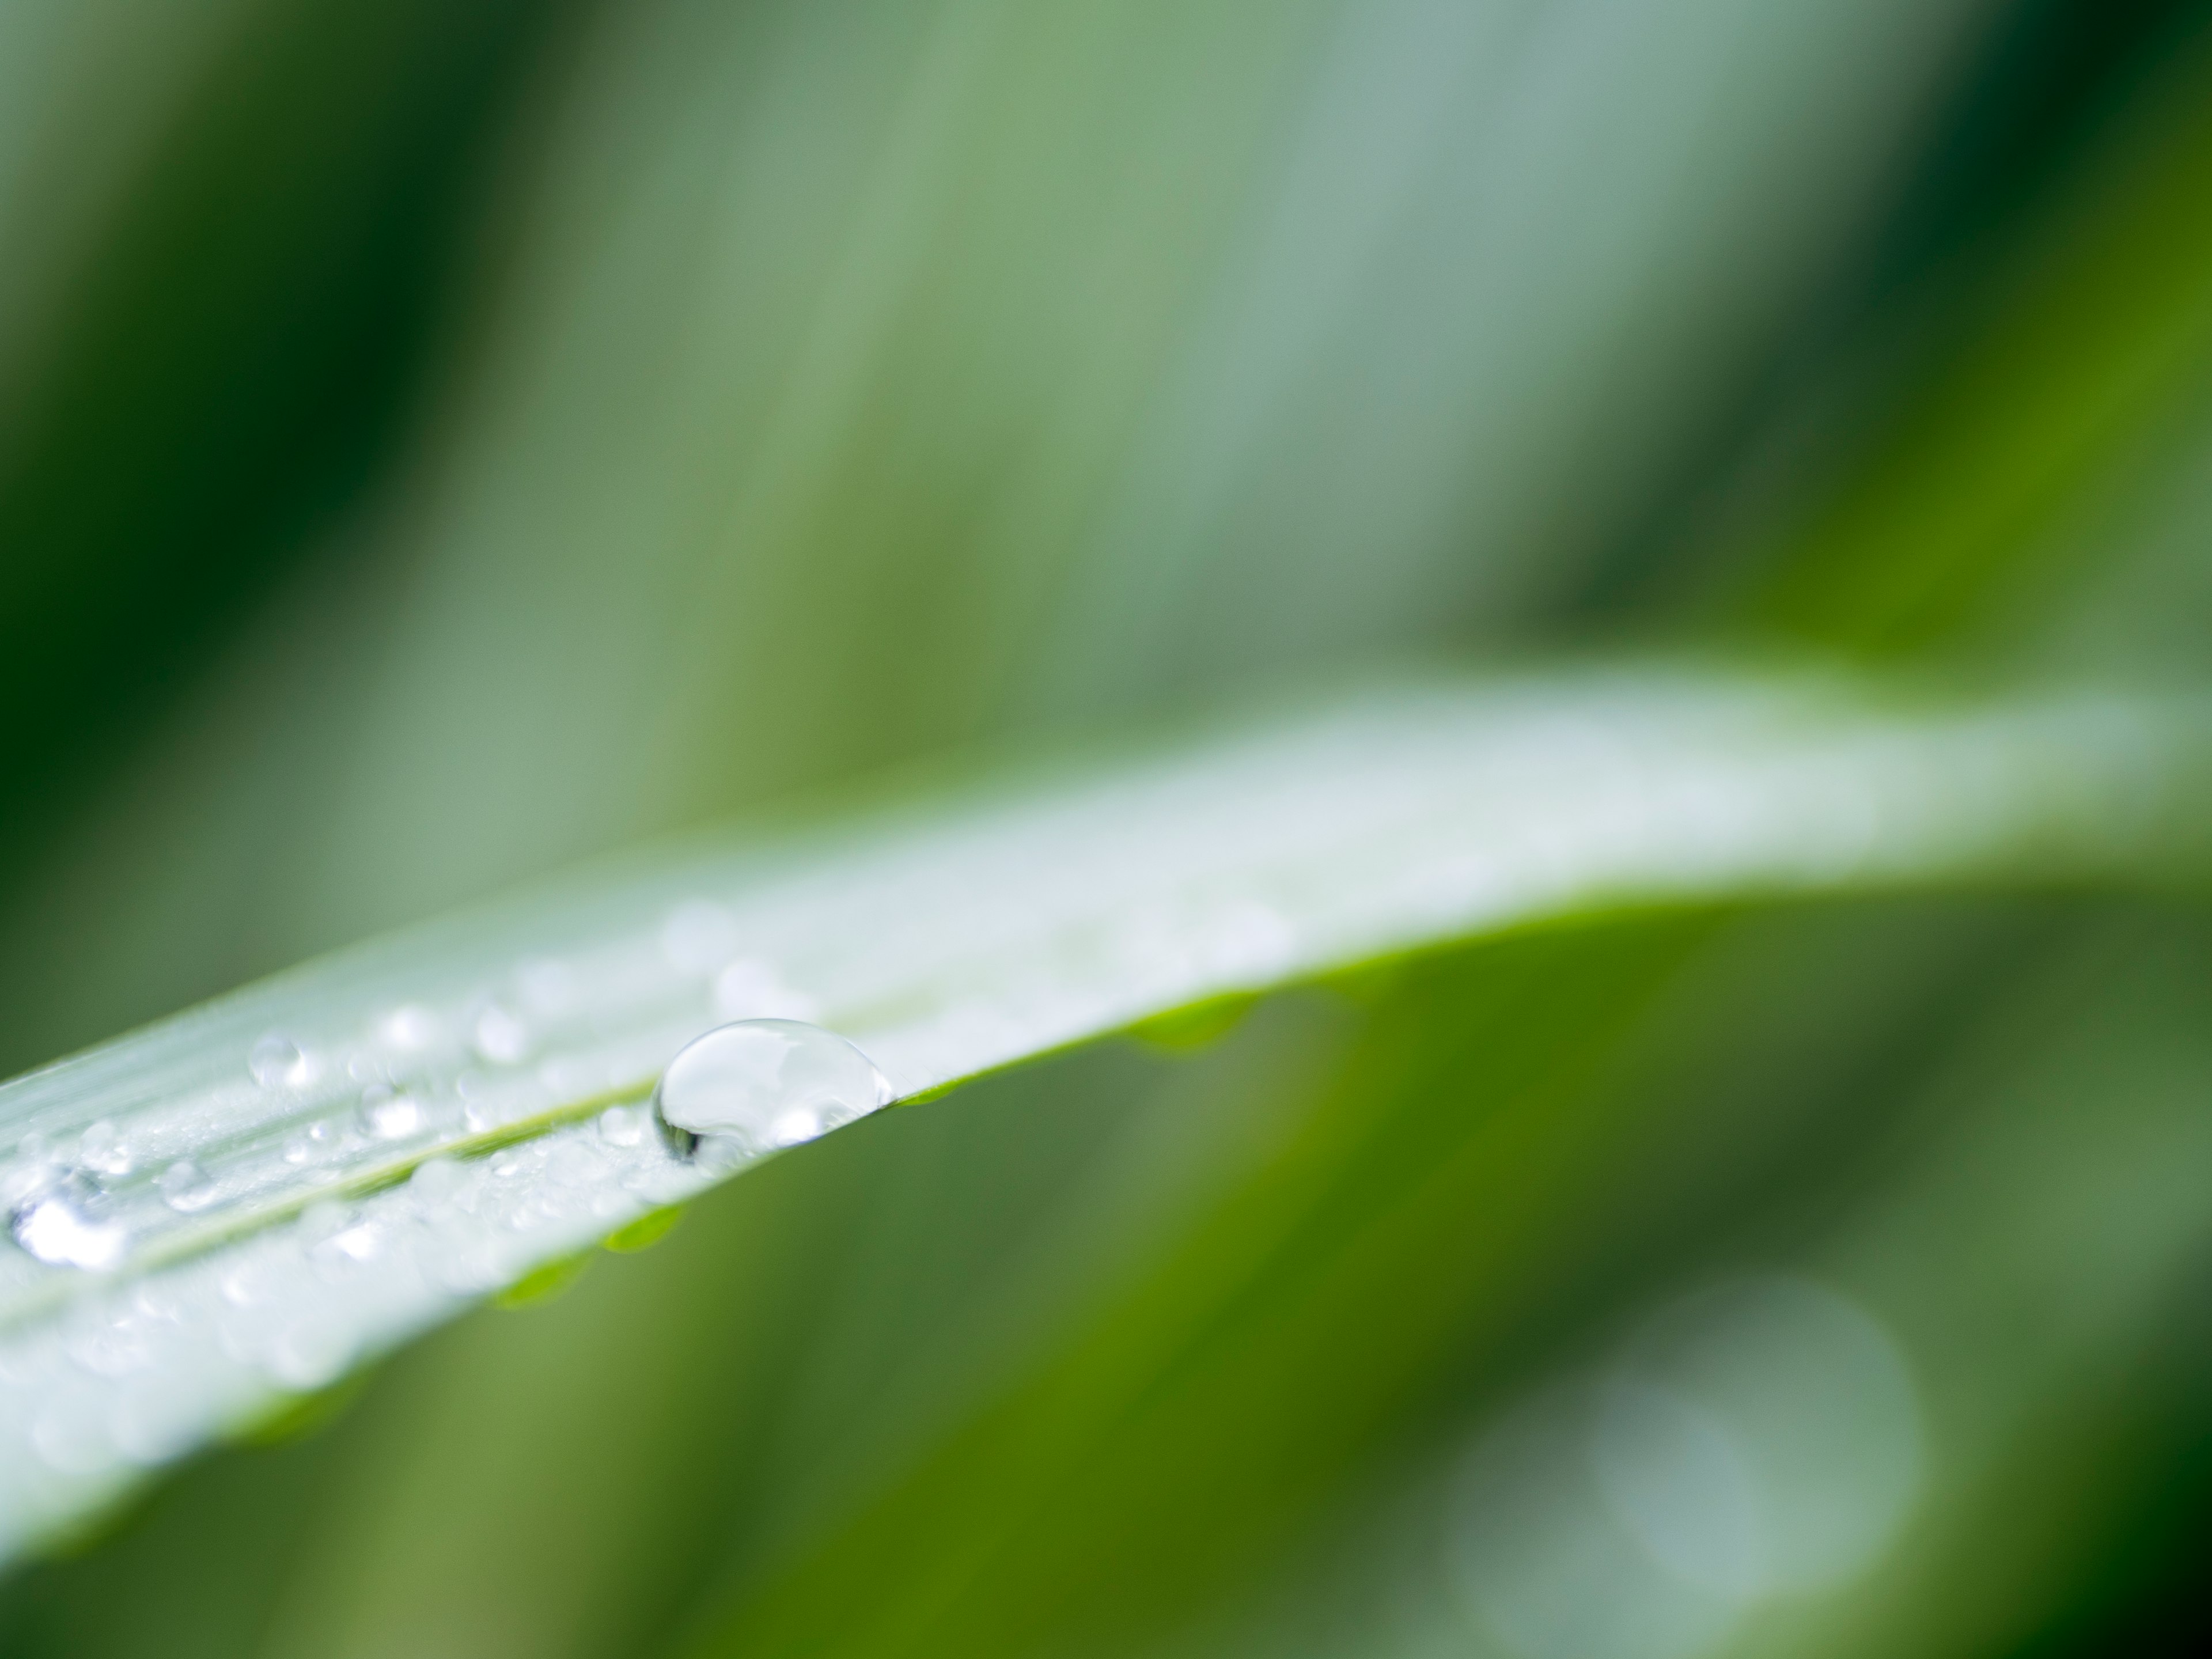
(622, 1126)
(388, 1115)
(102, 1147)
(63, 1226)
(766, 1083)
(186, 1186)
(410, 1025)
(276, 1061)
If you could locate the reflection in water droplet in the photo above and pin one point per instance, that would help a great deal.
(356, 1243)
(410, 1025)
(186, 1186)
(766, 1083)
(390, 1116)
(64, 1226)
(276, 1062)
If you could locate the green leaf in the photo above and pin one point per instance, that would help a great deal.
(249, 1199)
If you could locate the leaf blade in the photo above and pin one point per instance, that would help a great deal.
(948, 940)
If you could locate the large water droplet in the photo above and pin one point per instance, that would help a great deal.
(764, 1082)
(64, 1225)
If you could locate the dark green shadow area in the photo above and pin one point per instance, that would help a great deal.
(232, 367)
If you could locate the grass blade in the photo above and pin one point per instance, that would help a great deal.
(307, 1172)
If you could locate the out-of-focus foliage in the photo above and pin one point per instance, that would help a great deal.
(438, 443)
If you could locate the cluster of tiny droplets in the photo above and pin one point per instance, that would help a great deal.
(134, 1368)
(130, 1374)
(301, 1113)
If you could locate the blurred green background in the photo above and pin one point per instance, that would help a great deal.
(441, 442)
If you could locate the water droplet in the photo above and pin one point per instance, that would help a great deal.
(276, 1062)
(186, 1186)
(64, 1226)
(410, 1025)
(622, 1126)
(390, 1116)
(313, 1144)
(106, 1342)
(359, 1242)
(102, 1147)
(500, 1037)
(766, 1083)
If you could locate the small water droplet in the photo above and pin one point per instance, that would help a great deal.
(186, 1186)
(356, 1243)
(410, 1025)
(102, 1147)
(622, 1126)
(500, 1037)
(277, 1061)
(313, 1144)
(106, 1342)
(766, 1083)
(387, 1114)
(64, 1226)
